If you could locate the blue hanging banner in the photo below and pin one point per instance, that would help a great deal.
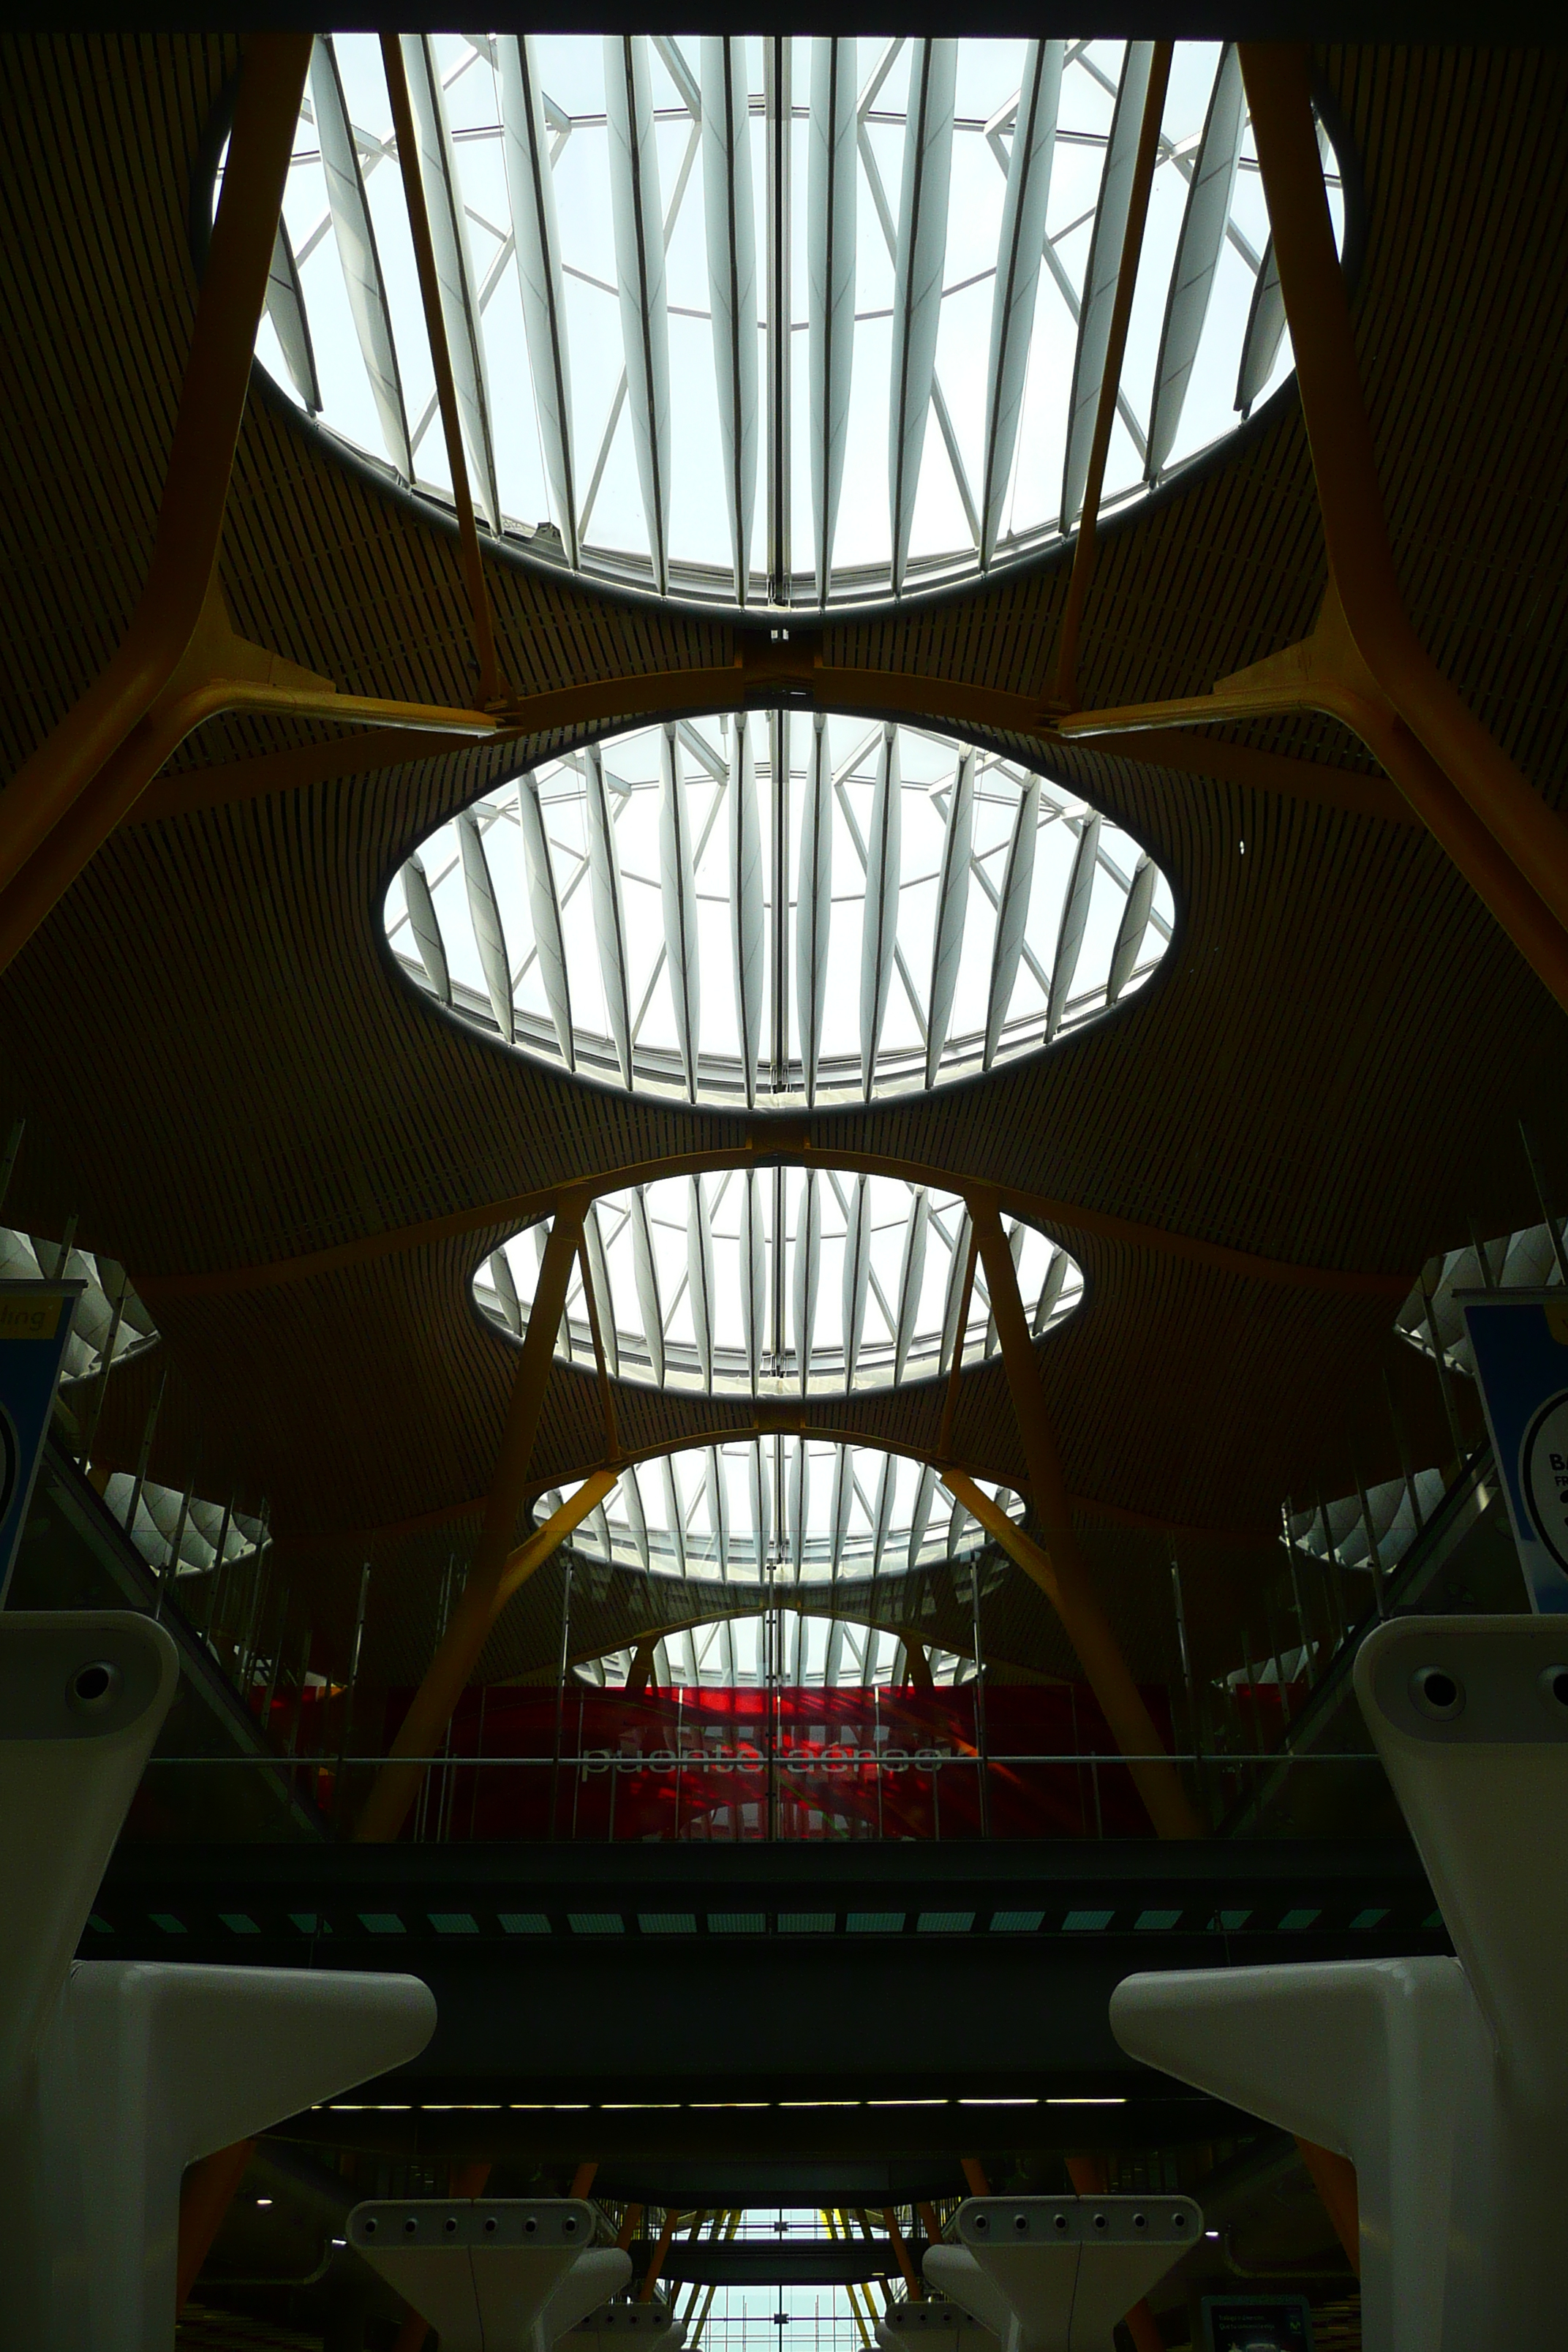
(1520, 1343)
(35, 1324)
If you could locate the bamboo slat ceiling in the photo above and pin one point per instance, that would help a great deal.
(219, 1068)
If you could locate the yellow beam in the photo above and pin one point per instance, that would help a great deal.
(536, 1356)
(1278, 93)
(767, 1141)
(1325, 673)
(498, 1568)
(1313, 781)
(181, 663)
(470, 1627)
(1456, 747)
(1061, 1569)
(913, 2279)
(1064, 691)
(790, 1421)
(1063, 1576)
(196, 489)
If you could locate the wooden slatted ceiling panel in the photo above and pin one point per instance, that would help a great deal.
(1329, 1070)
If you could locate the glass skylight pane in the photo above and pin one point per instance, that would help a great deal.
(550, 310)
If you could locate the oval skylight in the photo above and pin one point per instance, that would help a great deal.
(805, 1509)
(865, 1292)
(776, 321)
(656, 912)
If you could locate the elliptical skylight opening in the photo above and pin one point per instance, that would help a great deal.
(879, 272)
(772, 908)
(806, 1509)
(779, 1280)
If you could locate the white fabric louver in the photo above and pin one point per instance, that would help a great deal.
(355, 239)
(917, 278)
(453, 268)
(485, 914)
(1019, 249)
(732, 283)
(639, 261)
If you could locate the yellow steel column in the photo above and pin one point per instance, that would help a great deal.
(497, 1570)
(211, 402)
(1062, 1571)
(1326, 672)
(451, 1669)
(1279, 94)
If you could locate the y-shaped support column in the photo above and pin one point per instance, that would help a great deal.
(492, 2274)
(114, 2076)
(1446, 2082)
(1056, 2273)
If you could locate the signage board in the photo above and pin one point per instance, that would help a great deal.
(1520, 1343)
(1258, 2323)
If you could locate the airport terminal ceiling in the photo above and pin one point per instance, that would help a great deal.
(1237, 1162)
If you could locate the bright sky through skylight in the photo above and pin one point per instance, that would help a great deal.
(646, 911)
(872, 1278)
(726, 319)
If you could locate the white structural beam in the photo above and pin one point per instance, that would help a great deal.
(1104, 268)
(1074, 922)
(530, 191)
(807, 1275)
(748, 931)
(857, 1274)
(638, 222)
(879, 935)
(484, 914)
(1012, 916)
(286, 309)
(1020, 246)
(545, 907)
(609, 916)
(678, 894)
(645, 1275)
(732, 284)
(1130, 930)
(425, 927)
(453, 268)
(911, 1280)
(355, 239)
(700, 1277)
(830, 284)
(1203, 224)
(922, 251)
(814, 903)
(952, 910)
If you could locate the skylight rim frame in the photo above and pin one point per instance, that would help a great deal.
(1116, 518)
